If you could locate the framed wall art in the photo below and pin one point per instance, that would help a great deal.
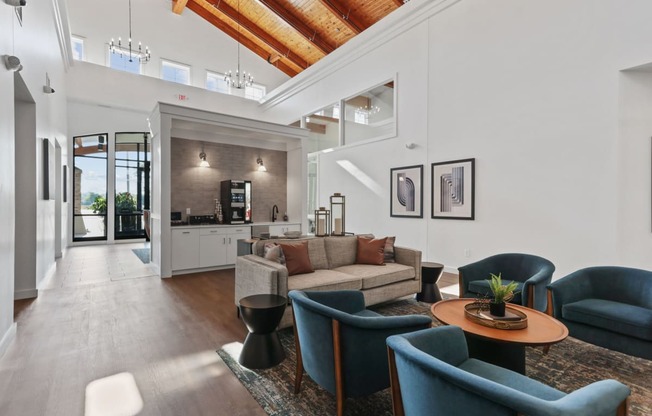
(453, 189)
(406, 192)
(49, 170)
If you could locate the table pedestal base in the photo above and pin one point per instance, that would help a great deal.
(261, 351)
(510, 356)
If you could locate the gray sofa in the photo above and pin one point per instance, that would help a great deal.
(333, 259)
(608, 306)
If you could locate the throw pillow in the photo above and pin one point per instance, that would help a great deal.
(371, 251)
(297, 259)
(274, 252)
(389, 250)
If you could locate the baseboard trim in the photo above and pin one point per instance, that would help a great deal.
(7, 339)
(25, 294)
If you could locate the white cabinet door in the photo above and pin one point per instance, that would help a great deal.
(232, 242)
(293, 227)
(280, 229)
(212, 248)
(185, 249)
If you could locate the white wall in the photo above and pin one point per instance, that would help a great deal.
(530, 89)
(185, 38)
(634, 183)
(36, 44)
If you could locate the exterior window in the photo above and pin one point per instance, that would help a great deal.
(255, 92)
(215, 82)
(90, 167)
(174, 72)
(123, 62)
(77, 48)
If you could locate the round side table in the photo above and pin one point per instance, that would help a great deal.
(430, 274)
(262, 314)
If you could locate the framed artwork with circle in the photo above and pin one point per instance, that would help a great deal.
(453, 189)
(406, 192)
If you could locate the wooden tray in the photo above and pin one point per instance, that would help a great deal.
(475, 311)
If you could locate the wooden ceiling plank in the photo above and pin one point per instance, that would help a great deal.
(249, 44)
(303, 29)
(178, 6)
(344, 14)
(224, 9)
(398, 3)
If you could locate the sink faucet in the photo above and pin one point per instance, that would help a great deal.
(274, 212)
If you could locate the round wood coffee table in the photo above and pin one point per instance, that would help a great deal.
(503, 347)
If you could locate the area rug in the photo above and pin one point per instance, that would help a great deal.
(568, 366)
(142, 253)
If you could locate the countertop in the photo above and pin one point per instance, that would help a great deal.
(174, 227)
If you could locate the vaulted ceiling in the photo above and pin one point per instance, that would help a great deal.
(290, 34)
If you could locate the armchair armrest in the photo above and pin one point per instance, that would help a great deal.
(348, 301)
(576, 286)
(600, 398)
(534, 289)
(409, 257)
(255, 275)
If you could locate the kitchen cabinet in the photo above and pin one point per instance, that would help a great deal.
(275, 229)
(205, 247)
(185, 249)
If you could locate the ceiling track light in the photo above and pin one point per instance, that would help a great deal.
(16, 3)
(12, 63)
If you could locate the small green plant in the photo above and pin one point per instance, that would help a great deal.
(502, 293)
(99, 205)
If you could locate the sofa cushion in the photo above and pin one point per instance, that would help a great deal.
(621, 318)
(296, 256)
(341, 251)
(481, 287)
(375, 276)
(371, 251)
(324, 280)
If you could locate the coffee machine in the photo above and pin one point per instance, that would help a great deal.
(236, 201)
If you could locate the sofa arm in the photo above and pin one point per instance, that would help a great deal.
(255, 275)
(409, 257)
(576, 286)
(604, 397)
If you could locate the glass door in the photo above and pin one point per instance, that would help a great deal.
(132, 184)
(90, 187)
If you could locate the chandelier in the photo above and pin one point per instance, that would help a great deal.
(143, 56)
(240, 79)
(368, 110)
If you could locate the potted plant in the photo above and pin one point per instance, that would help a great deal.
(502, 294)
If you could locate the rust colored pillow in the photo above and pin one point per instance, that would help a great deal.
(297, 260)
(371, 251)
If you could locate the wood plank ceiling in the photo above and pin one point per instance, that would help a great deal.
(290, 34)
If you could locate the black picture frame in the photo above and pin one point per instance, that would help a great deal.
(49, 175)
(453, 189)
(406, 192)
(64, 183)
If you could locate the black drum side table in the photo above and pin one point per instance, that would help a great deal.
(430, 274)
(262, 314)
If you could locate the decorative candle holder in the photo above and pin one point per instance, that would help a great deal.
(322, 222)
(337, 213)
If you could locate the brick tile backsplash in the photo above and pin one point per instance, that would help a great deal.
(197, 188)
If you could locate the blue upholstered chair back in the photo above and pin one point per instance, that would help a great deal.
(435, 376)
(362, 336)
(534, 271)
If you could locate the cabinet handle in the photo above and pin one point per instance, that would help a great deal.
(229, 240)
(238, 229)
(213, 231)
(224, 240)
(185, 232)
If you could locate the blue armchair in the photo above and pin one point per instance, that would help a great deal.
(532, 274)
(341, 345)
(432, 374)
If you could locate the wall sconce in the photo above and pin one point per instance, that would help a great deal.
(12, 63)
(203, 163)
(261, 167)
(47, 88)
(16, 3)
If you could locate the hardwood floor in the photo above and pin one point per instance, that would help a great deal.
(164, 332)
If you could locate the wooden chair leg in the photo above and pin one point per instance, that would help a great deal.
(546, 348)
(397, 399)
(339, 377)
(298, 375)
(623, 409)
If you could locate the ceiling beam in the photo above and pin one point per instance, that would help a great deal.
(344, 14)
(297, 24)
(223, 9)
(178, 6)
(249, 44)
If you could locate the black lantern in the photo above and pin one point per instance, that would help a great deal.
(337, 214)
(322, 222)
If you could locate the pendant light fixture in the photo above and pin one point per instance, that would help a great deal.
(142, 56)
(240, 79)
